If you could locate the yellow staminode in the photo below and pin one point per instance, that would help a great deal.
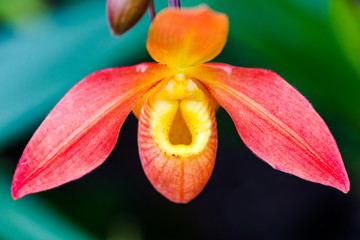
(180, 101)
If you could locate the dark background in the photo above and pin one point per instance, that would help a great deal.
(48, 46)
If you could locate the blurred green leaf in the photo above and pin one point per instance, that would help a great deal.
(15, 11)
(39, 64)
(298, 41)
(32, 218)
(345, 20)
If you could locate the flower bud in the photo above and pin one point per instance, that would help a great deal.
(124, 14)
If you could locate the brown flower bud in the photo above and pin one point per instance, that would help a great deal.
(124, 14)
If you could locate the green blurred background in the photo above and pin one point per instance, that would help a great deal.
(48, 46)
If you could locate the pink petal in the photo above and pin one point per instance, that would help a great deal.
(276, 122)
(82, 129)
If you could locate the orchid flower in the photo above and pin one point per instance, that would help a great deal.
(175, 101)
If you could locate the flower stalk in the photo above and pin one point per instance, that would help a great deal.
(175, 3)
(152, 10)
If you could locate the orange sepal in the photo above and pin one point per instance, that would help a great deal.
(188, 37)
